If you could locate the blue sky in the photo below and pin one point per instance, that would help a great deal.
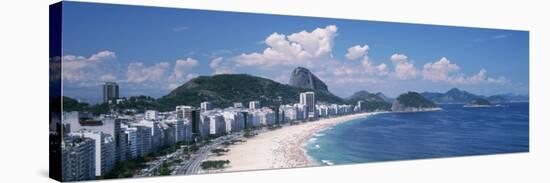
(149, 51)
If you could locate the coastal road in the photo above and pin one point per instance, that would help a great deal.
(154, 165)
(194, 162)
(193, 166)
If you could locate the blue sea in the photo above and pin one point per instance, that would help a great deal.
(454, 131)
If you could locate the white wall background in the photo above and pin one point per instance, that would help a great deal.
(24, 91)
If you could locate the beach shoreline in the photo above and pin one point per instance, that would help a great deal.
(280, 148)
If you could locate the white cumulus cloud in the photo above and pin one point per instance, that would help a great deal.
(80, 68)
(102, 55)
(404, 69)
(382, 69)
(440, 70)
(357, 51)
(369, 68)
(138, 72)
(181, 67)
(396, 58)
(296, 49)
(220, 66)
(216, 62)
(445, 71)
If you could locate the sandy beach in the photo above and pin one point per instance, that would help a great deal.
(280, 148)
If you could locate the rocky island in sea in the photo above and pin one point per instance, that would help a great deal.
(478, 103)
(413, 102)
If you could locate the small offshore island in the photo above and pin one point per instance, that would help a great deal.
(413, 102)
(478, 103)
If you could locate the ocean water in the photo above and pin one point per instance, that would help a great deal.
(454, 131)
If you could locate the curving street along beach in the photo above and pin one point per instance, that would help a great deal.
(280, 148)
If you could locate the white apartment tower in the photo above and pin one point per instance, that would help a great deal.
(238, 105)
(131, 140)
(151, 115)
(192, 115)
(308, 99)
(78, 158)
(254, 104)
(104, 150)
(205, 106)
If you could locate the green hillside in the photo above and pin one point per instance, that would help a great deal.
(413, 99)
(223, 90)
(374, 102)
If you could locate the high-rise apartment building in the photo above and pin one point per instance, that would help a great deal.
(308, 99)
(110, 91)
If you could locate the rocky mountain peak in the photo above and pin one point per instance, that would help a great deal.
(303, 78)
